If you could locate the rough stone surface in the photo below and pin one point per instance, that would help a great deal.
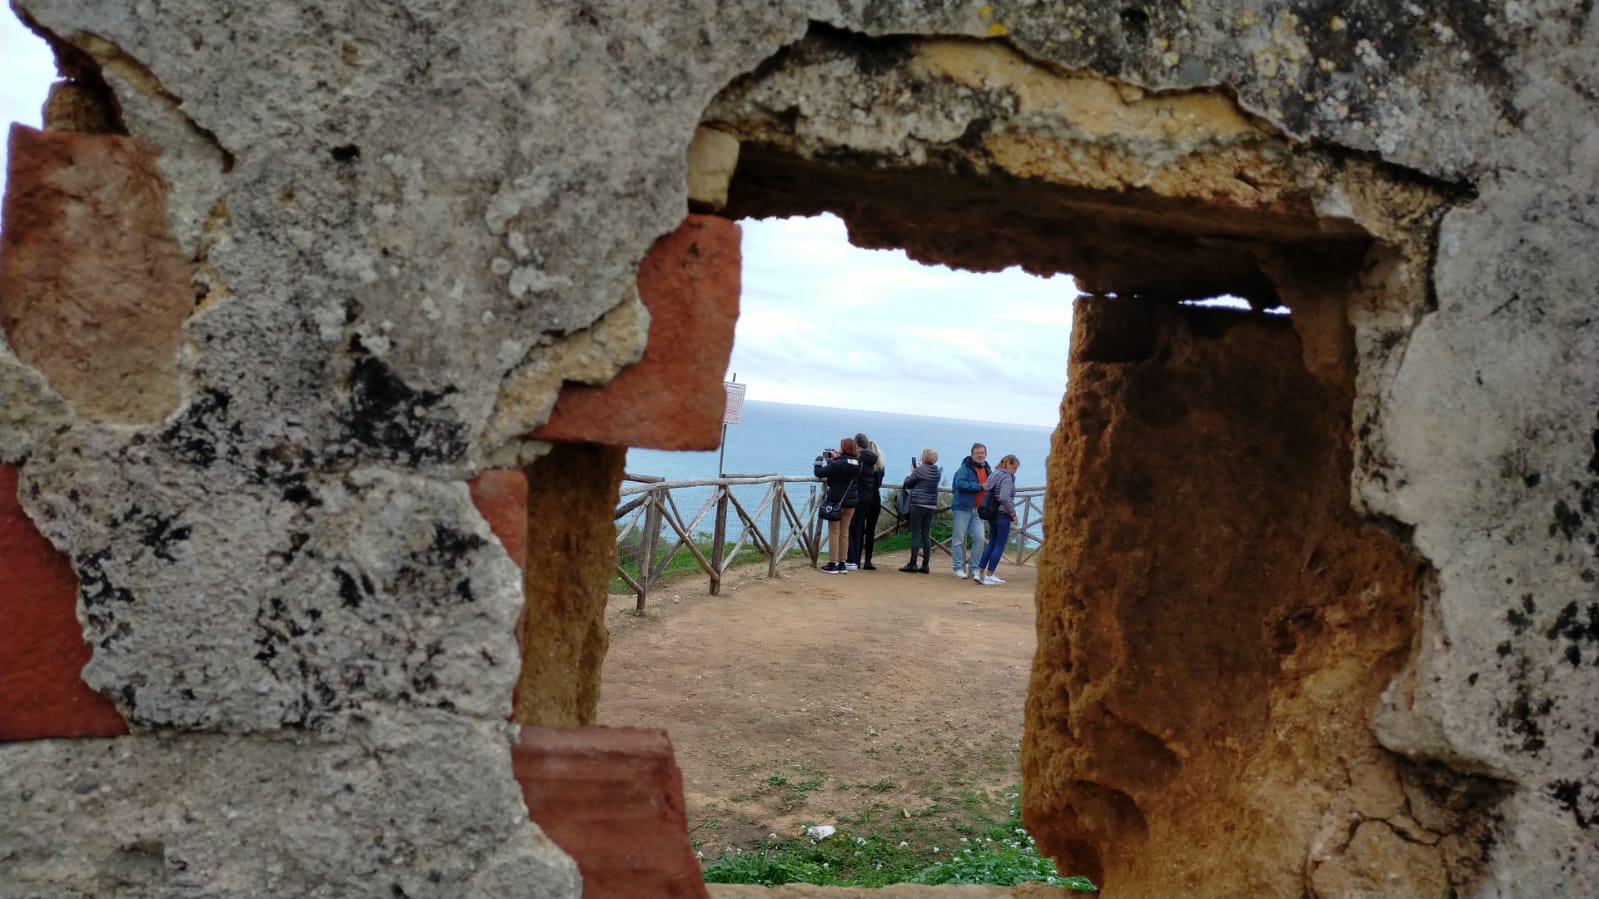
(612, 797)
(41, 644)
(407, 804)
(570, 559)
(374, 586)
(712, 157)
(1215, 622)
(29, 409)
(672, 398)
(1181, 196)
(407, 227)
(93, 290)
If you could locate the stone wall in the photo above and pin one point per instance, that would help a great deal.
(393, 233)
(1216, 625)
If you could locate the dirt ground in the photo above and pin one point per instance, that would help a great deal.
(819, 699)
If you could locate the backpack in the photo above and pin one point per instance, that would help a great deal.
(989, 510)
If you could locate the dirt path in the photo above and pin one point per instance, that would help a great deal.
(816, 698)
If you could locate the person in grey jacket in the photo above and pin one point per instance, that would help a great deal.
(923, 487)
(1002, 484)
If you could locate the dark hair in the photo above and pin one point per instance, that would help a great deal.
(848, 447)
(860, 440)
(978, 446)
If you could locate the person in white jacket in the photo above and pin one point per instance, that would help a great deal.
(1002, 484)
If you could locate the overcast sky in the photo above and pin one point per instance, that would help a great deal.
(822, 322)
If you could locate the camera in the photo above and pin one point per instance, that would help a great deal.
(829, 453)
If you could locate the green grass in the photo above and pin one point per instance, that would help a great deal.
(876, 850)
(684, 564)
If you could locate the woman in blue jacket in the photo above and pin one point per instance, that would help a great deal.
(923, 487)
(841, 469)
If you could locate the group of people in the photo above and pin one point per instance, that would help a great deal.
(854, 477)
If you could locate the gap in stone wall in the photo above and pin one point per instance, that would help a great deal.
(1268, 675)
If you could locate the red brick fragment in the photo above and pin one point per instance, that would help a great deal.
(42, 653)
(612, 798)
(672, 398)
(500, 495)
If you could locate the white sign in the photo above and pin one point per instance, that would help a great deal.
(735, 402)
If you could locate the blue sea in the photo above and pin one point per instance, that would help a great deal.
(781, 438)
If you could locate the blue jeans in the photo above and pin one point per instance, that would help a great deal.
(966, 524)
(996, 547)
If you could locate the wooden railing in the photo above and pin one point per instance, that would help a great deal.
(648, 514)
(1029, 527)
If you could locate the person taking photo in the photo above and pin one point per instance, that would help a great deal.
(841, 470)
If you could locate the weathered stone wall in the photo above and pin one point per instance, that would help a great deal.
(1216, 625)
(570, 566)
(405, 226)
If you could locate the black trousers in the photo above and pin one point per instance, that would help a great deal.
(921, 534)
(863, 532)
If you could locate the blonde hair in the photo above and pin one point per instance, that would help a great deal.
(1010, 459)
(929, 456)
(872, 445)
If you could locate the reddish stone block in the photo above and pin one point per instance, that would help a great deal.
(94, 290)
(612, 798)
(42, 653)
(672, 398)
(500, 495)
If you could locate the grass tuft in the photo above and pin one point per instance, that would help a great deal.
(872, 852)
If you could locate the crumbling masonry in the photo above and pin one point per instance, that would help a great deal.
(293, 294)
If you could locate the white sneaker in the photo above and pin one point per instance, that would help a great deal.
(960, 572)
(851, 566)
(991, 581)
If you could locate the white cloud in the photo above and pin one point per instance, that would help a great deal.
(826, 323)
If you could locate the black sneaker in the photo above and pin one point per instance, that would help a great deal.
(867, 566)
(833, 568)
(909, 569)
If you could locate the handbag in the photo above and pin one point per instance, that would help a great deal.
(902, 503)
(834, 510)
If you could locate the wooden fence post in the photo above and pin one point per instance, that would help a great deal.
(777, 525)
(652, 536)
(719, 539)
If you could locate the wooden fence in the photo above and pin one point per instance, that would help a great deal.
(648, 517)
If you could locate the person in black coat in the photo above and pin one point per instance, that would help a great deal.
(863, 526)
(841, 469)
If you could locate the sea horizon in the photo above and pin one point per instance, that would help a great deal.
(784, 439)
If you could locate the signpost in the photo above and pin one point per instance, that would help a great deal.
(730, 415)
